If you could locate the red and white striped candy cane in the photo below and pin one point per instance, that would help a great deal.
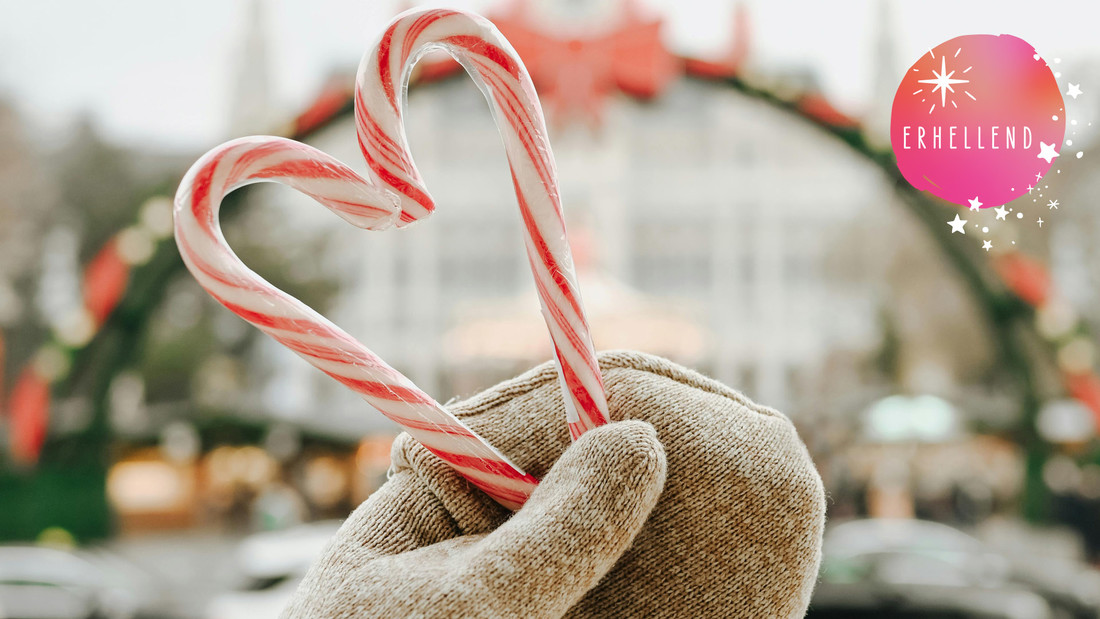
(490, 60)
(359, 201)
(288, 320)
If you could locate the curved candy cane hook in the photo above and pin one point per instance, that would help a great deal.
(380, 204)
(490, 60)
(298, 327)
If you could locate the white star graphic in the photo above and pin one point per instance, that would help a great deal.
(987, 245)
(1046, 151)
(943, 81)
(1074, 90)
(1053, 204)
(1040, 222)
(1001, 211)
(957, 225)
(975, 204)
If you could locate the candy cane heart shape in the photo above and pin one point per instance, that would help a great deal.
(496, 68)
(218, 269)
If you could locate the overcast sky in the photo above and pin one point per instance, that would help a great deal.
(161, 72)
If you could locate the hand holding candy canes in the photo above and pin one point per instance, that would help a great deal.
(721, 516)
(395, 195)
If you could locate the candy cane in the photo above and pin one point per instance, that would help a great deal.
(359, 201)
(495, 66)
(218, 269)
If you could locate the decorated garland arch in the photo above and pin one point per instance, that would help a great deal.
(128, 278)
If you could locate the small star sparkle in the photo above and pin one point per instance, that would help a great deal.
(1040, 222)
(1001, 211)
(1046, 152)
(1053, 204)
(1074, 90)
(975, 204)
(987, 245)
(957, 225)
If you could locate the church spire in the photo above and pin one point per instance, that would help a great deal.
(251, 110)
(886, 74)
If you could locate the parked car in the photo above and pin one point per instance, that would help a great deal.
(873, 600)
(915, 568)
(39, 582)
(272, 564)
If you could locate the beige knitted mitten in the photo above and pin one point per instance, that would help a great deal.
(735, 532)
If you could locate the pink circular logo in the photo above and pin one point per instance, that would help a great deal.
(978, 120)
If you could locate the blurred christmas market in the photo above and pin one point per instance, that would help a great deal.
(723, 213)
